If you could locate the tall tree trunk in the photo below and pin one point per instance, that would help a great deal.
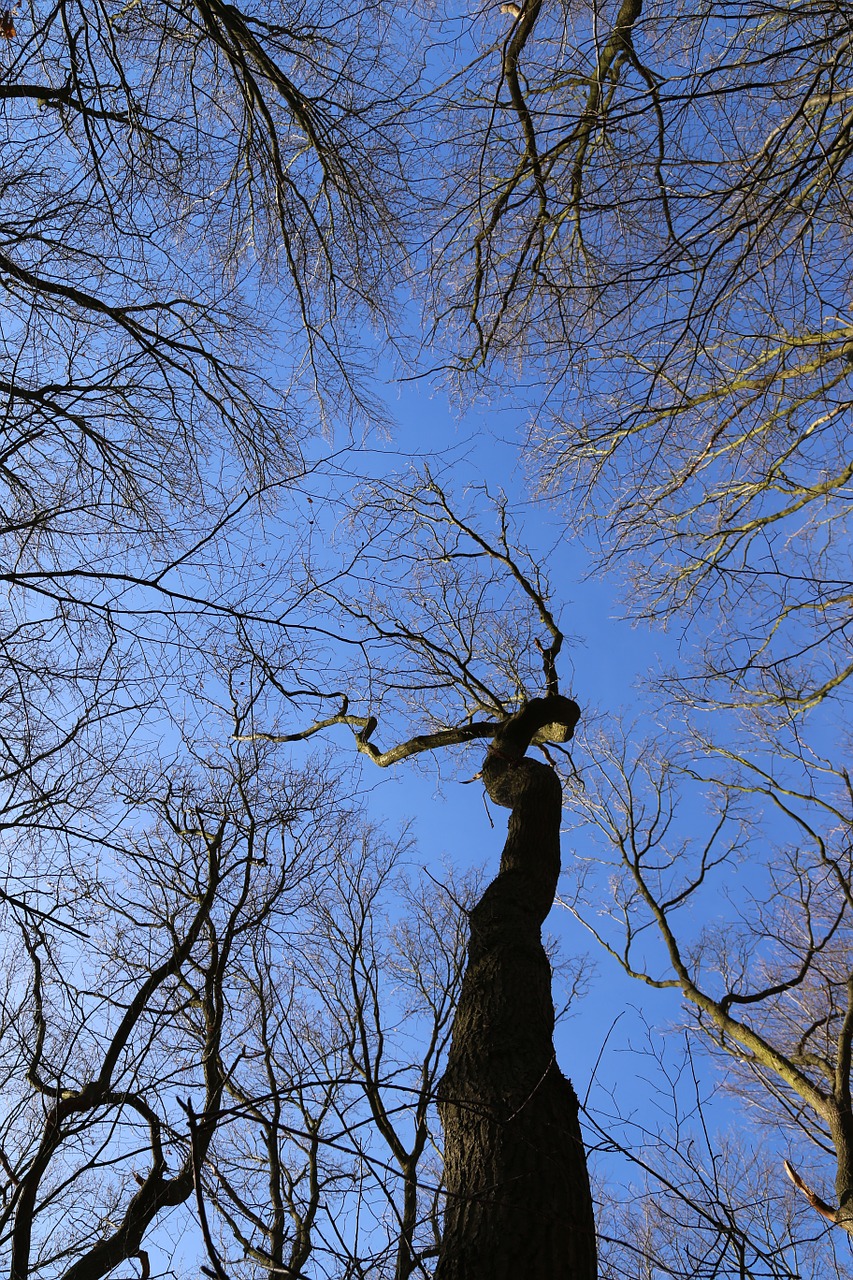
(518, 1195)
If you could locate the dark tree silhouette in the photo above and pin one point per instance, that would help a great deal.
(518, 1191)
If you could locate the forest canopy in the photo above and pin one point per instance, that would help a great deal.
(614, 238)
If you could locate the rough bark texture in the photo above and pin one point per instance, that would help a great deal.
(518, 1195)
(841, 1128)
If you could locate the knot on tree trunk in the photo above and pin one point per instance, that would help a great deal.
(518, 1196)
(550, 719)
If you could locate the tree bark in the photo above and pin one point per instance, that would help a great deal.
(841, 1129)
(518, 1194)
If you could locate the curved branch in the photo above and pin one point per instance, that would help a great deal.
(540, 720)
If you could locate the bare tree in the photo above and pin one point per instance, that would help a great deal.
(650, 217)
(196, 202)
(242, 1011)
(196, 167)
(516, 1181)
(328, 1159)
(111, 1107)
(679, 1198)
(650, 238)
(201, 204)
(767, 975)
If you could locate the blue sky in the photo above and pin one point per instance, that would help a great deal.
(605, 666)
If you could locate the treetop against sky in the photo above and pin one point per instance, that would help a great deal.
(614, 238)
